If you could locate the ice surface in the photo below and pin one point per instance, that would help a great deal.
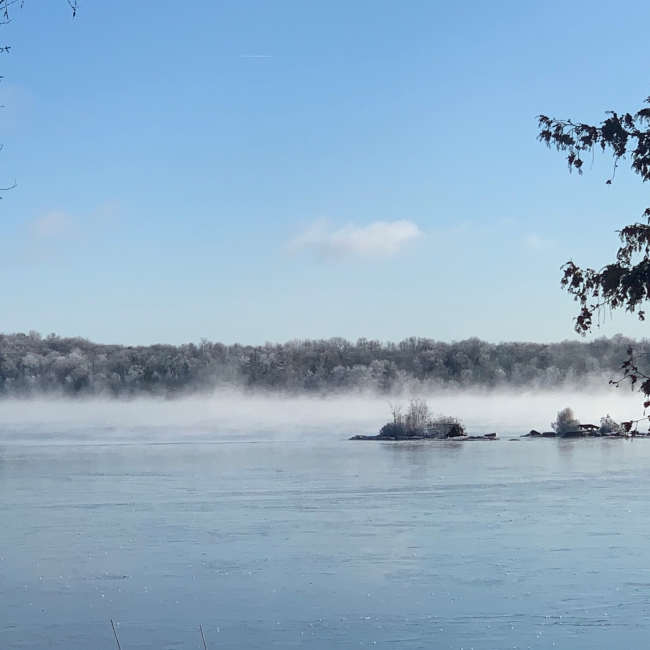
(269, 529)
(321, 543)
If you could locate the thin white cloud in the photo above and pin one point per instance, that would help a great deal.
(379, 239)
(536, 242)
(55, 225)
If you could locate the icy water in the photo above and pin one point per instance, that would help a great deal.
(324, 545)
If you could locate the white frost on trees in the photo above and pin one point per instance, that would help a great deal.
(565, 422)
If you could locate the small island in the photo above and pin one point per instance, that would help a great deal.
(418, 423)
(567, 425)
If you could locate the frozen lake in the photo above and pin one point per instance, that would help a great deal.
(326, 544)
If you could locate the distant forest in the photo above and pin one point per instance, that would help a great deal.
(31, 364)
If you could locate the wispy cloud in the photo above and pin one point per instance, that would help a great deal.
(48, 240)
(55, 225)
(54, 238)
(536, 242)
(379, 239)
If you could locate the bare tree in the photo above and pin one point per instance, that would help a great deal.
(418, 416)
(396, 412)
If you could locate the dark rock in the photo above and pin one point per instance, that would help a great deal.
(574, 434)
(487, 436)
(458, 437)
(456, 431)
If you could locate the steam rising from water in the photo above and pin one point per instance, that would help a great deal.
(230, 415)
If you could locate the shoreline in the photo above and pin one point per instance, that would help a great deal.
(491, 437)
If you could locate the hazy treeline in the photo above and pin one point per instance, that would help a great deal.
(30, 363)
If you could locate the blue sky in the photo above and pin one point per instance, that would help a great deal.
(251, 171)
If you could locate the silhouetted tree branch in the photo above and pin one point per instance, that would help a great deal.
(625, 283)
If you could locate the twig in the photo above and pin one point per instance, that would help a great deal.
(204, 643)
(119, 647)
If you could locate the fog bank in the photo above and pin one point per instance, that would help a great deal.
(231, 415)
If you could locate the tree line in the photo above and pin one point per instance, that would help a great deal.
(31, 364)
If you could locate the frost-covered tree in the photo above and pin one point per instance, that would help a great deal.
(29, 362)
(565, 422)
(420, 422)
(609, 426)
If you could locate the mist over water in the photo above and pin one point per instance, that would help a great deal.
(231, 415)
(271, 529)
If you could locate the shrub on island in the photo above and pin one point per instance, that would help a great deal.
(566, 422)
(566, 425)
(419, 422)
(608, 427)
